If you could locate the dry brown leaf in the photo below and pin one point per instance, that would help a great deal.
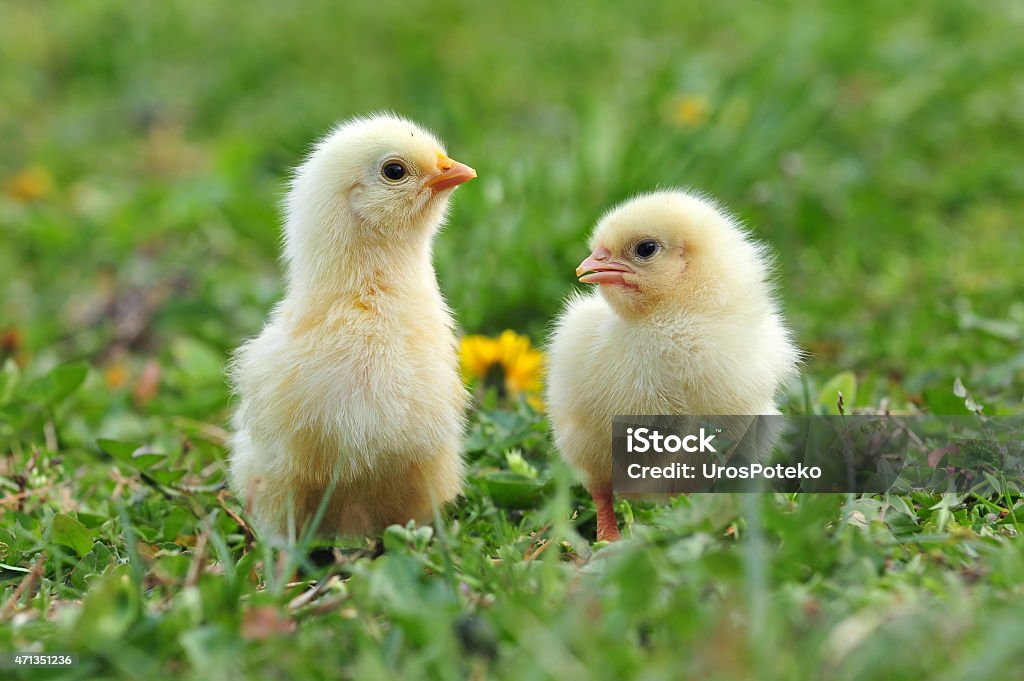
(262, 622)
(148, 384)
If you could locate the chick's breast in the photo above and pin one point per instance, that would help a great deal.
(365, 390)
(601, 365)
(580, 383)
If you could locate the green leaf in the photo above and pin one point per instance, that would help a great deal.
(91, 520)
(110, 608)
(844, 382)
(67, 379)
(512, 490)
(55, 386)
(197, 359)
(68, 532)
(8, 380)
(144, 461)
(120, 450)
(167, 477)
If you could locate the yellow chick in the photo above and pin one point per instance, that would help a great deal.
(684, 321)
(352, 390)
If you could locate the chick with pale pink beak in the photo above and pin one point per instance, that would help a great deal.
(684, 321)
(599, 268)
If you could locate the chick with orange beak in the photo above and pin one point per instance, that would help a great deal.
(684, 321)
(351, 397)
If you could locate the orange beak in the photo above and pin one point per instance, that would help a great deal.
(450, 174)
(599, 268)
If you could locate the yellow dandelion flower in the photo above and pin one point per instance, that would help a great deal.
(116, 375)
(476, 356)
(507, 362)
(690, 111)
(30, 184)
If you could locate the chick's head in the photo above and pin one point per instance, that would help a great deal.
(382, 176)
(671, 250)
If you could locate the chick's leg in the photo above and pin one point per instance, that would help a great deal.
(607, 525)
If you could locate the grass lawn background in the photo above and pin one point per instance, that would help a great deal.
(143, 153)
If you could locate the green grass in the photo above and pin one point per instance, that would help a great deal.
(875, 146)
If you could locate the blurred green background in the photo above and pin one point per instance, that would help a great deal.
(874, 146)
(144, 148)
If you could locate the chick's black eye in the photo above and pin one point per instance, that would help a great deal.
(647, 248)
(393, 171)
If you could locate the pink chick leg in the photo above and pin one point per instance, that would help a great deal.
(607, 526)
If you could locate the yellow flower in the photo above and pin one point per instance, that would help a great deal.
(690, 111)
(30, 184)
(116, 375)
(507, 362)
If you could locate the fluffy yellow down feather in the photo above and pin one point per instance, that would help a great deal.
(352, 389)
(684, 321)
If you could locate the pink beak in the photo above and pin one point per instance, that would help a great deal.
(599, 268)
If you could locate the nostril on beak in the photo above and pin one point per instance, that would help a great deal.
(443, 162)
(601, 254)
